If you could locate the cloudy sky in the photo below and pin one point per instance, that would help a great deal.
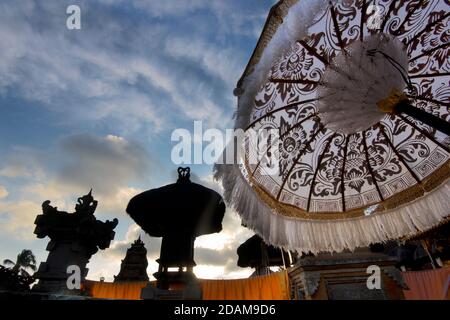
(96, 108)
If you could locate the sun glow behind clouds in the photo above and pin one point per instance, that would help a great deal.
(3, 192)
(209, 272)
(216, 241)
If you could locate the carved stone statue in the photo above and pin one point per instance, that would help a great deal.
(74, 238)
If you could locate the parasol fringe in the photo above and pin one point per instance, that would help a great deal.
(303, 235)
(294, 27)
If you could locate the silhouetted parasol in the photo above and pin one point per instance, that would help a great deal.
(359, 101)
(255, 253)
(181, 206)
(179, 213)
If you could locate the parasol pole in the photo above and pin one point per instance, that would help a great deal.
(265, 257)
(423, 116)
(291, 259)
(282, 257)
(403, 105)
(425, 246)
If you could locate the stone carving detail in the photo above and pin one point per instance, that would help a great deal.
(311, 281)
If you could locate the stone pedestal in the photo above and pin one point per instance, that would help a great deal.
(184, 286)
(74, 238)
(344, 276)
(52, 274)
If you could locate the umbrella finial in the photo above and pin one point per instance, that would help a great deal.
(184, 174)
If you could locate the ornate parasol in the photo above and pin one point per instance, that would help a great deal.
(183, 206)
(178, 212)
(359, 101)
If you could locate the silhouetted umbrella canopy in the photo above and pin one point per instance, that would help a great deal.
(251, 254)
(182, 206)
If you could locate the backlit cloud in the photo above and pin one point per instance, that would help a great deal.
(3, 192)
(103, 163)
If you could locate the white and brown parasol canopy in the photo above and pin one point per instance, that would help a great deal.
(360, 99)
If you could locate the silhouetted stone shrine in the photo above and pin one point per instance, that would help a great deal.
(74, 238)
(178, 213)
(344, 276)
(134, 265)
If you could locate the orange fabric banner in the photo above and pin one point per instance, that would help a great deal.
(427, 284)
(111, 290)
(271, 287)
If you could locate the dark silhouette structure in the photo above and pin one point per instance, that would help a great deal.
(134, 266)
(178, 213)
(428, 250)
(16, 278)
(25, 260)
(14, 281)
(255, 253)
(74, 238)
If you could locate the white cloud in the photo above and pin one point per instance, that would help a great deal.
(215, 241)
(23, 162)
(3, 192)
(101, 73)
(110, 165)
(14, 171)
(48, 67)
(106, 164)
(117, 203)
(228, 17)
(224, 63)
(17, 218)
(209, 272)
(63, 196)
(164, 8)
(85, 76)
